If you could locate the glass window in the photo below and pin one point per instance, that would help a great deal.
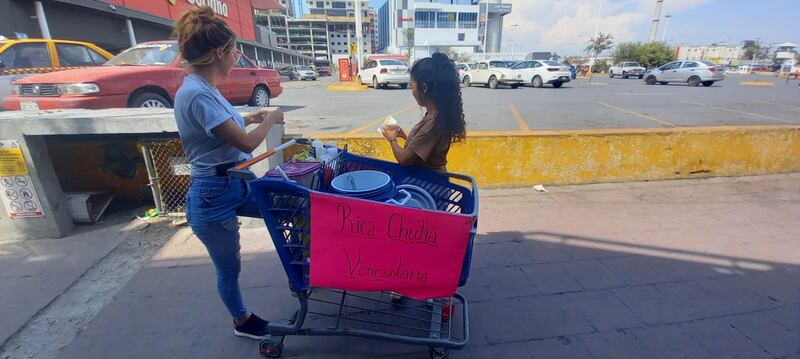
(535, 64)
(633, 64)
(709, 63)
(482, 66)
(553, 63)
(74, 55)
(521, 65)
(26, 56)
(424, 20)
(689, 64)
(339, 5)
(147, 54)
(670, 66)
(391, 63)
(498, 64)
(96, 57)
(461, 36)
(446, 20)
(243, 63)
(467, 20)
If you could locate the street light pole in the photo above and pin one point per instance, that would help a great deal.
(486, 28)
(666, 24)
(596, 29)
(514, 39)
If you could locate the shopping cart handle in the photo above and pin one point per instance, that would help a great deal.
(242, 170)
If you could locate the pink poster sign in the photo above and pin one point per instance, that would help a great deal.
(367, 246)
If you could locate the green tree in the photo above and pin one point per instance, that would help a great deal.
(654, 54)
(456, 56)
(649, 54)
(626, 51)
(755, 49)
(600, 43)
(408, 36)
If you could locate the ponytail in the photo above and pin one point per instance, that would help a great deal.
(200, 33)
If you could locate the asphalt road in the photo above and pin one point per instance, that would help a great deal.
(603, 103)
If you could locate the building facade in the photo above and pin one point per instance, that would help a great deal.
(720, 54)
(116, 25)
(336, 7)
(321, 37)
(424, 27)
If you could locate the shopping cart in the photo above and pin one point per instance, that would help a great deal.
(440, 324)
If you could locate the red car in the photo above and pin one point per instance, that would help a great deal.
(146, 75)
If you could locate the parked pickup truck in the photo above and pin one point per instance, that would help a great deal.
(627, 69)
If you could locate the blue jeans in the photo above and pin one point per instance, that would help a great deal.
(211, 207)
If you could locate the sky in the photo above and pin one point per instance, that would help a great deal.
(564, 26)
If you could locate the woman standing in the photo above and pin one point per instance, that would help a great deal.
(435, 86)
(214, 140)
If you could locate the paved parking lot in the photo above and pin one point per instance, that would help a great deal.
(603, 103)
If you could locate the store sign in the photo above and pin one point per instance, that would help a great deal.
(500, 8)
(218, 6)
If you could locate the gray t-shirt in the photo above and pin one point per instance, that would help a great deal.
(199, 108)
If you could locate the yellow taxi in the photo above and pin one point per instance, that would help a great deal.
(25, 57)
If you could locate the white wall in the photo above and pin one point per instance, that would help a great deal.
(446, 37)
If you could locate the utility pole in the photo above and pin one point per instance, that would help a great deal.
(596, 30)
(666, 24)
(359, 34)
(486, 29)
(514, 39)
(656, 19)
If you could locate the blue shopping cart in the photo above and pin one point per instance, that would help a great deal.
(440, 324)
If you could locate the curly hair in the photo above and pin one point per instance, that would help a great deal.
(439, 76)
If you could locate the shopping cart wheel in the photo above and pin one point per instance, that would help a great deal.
(439, 353)
(271, 348)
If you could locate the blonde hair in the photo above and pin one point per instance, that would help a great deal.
(200, 33)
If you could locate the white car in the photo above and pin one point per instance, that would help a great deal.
(381, 73)
(303, 72)
(491, 74)
(540, 72)
(627, 69)
(462, 70)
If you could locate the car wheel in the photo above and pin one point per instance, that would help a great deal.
(624, 76)
(708, 83)
(260, 97)
(557, 84)
(537, 82)
(611, 74)
(493, 82)
(467, 81)
(403, 86)
(651, 80)
(375, 83)
(694, 81)
(150, 100)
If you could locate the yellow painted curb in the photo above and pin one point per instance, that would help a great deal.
(519, 159)
(346, 87)
(757, 83)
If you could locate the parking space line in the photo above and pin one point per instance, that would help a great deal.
(779, 104)
(638, 114)
(741, 112)
(378, 121)
(522, 124)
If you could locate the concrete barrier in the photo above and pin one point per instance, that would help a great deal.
(515, 159)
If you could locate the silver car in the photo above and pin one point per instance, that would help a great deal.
(692, 72)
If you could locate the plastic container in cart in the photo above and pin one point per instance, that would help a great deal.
(301, 172)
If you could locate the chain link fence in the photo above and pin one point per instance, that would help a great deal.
(169, 172)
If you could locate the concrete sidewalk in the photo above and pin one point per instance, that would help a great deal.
(694, 268)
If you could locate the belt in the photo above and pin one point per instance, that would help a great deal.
(222, 170)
